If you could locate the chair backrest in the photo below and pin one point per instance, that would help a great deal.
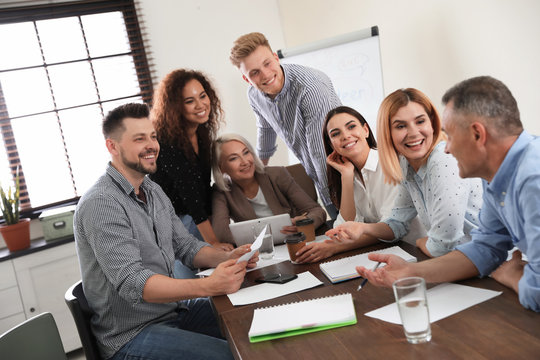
(299, 175)
(76, 301)
(36, 338)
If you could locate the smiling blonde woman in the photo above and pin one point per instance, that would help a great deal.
(411, 146)
(244, 189)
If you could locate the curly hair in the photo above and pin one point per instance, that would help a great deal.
(167, 111)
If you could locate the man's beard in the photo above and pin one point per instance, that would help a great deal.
(138, 166)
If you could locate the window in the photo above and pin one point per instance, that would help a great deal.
(62, 68)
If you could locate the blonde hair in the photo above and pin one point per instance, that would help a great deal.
(221, 180)
(245, 45)
(388, 155)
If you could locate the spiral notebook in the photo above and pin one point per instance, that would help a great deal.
(345, 268)
(302, 317)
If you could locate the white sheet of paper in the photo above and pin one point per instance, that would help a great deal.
(254, 247)
(280, 254)
(443, 300)
(266, 291)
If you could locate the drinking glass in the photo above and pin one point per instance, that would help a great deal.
(412, 303)
(266, 251)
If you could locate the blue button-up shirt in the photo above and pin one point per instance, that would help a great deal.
(510, 217)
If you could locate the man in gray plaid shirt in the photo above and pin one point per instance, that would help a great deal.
(128, 236)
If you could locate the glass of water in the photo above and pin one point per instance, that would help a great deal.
(266, 251)
(411, 300)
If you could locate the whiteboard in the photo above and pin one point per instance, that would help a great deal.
(353, 63)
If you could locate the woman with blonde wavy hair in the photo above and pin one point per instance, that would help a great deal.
(186, 113)
(411, 149)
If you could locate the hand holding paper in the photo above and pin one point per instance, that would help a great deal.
(254, 247)
(227, 277)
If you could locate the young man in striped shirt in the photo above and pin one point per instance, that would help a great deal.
(288, 100)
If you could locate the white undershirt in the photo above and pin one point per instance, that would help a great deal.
(260, 206)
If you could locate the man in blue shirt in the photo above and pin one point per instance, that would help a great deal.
(288, 100)
(486, 137)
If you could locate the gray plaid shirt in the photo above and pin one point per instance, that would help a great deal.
(121, 242)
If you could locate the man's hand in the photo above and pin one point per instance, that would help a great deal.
(396, 268)
(241, 250)
(227, 278)
(313, 252)
(510, 272)
(346, 232)
(223, 246)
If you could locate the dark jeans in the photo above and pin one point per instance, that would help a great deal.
(193, 334)
(181, 271)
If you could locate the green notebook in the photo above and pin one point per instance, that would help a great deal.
(302, 317)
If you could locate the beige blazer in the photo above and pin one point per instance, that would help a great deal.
(282, 193)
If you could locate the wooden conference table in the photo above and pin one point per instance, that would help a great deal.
(499, 328)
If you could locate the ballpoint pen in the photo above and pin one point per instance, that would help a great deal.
(365, 279)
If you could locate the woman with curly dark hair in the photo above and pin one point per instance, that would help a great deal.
(187, 113)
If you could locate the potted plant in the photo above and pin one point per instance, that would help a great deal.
(15, 231)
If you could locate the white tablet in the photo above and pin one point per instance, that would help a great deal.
(243, 233)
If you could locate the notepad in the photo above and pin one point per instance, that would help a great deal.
(302, 317)
(345, 268)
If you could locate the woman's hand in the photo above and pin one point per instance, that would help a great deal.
(346, 232)
(313, 252)
(421, 244)
(340, 163)
(289, 229)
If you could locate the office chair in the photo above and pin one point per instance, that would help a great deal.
(76, 301)
(35, 339)
(299, 175)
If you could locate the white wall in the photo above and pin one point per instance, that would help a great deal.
(199, 35)
(431, 45)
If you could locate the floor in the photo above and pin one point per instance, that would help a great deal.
(76, 355)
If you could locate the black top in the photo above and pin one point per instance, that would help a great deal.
(186, 182)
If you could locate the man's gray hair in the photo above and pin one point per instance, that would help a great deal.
(490, 99)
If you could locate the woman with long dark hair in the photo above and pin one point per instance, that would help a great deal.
(355, 179)
(187, 113)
